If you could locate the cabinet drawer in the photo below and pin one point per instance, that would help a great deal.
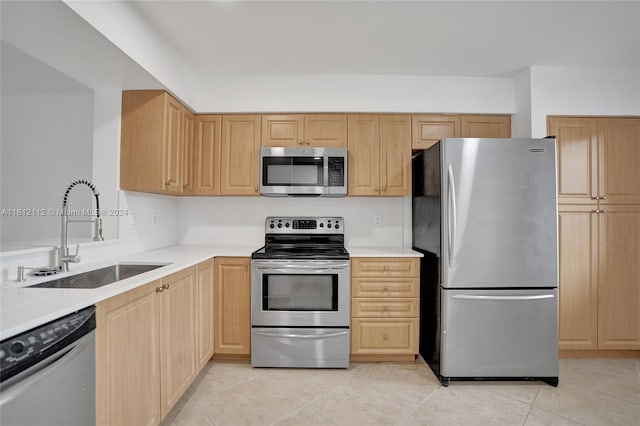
(385, 267)
(385, 308)
(384, 336)
(385, 287)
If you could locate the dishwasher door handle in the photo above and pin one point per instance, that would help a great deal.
(39, 371)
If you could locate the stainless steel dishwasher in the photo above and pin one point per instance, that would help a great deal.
(47, 374)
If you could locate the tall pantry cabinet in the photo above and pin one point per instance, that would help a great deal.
(599, 231)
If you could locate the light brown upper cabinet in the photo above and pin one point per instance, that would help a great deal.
(430, 128)
(304, 130)
(240, 155)
(597, 159)
(152, 142)
(379, 154)
(188, 146)
(485, 126)
(206, 164)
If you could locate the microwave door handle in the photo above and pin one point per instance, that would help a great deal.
(325, 169)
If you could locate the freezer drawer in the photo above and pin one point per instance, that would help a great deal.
(499, 333)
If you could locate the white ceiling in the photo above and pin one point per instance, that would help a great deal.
(475, 38)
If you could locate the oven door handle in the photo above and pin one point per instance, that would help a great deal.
(298, 270)
(302, 336)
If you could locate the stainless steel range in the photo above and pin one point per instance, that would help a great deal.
(300, 294)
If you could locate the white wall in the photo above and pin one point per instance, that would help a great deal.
(582, 91)
(355, 93)
(46, 144)
(240, 220)
(521, 120)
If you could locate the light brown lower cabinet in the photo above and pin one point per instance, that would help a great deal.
(599, 277)
(385, 306)
(148, 346)
(232, 306)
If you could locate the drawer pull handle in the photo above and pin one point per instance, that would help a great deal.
(386, 337)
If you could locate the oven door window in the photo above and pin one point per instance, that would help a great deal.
(291, 292)
(293, 171)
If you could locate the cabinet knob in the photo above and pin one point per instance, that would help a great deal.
(595, 211)
(386, 337)
(595, 198)
(603, 211)
(300, 142)
(384, 189)
(165, 286)
(167, 183)
(386, 288)
(307, 143)
(255, 189)
(603, 198)
(376, 189)
(386, 308)
(159, 289)
(386, 268)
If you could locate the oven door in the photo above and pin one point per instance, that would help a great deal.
(300, 293)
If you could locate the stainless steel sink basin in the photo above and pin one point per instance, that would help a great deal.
(98, 277)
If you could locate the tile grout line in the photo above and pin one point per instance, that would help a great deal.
(531, 407)
(420, 404)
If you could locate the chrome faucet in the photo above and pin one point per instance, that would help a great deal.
(64, 258)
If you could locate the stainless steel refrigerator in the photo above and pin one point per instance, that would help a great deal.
(485, 218)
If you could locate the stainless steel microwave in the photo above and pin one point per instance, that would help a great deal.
(293, 171)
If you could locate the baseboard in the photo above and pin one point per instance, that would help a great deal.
(232, 357)
(611, 354)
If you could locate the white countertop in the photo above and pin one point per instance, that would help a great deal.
(23, 308)
(381, 251)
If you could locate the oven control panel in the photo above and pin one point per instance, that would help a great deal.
(304, 225)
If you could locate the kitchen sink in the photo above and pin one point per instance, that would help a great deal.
(99, 277)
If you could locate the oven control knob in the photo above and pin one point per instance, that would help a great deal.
(280, 225)
(16, 347)
(272, 226)
(286, 225)
(328, 225)
(337, 226)
(321, 225)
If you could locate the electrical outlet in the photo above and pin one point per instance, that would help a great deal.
(377, 220)
(154, 219)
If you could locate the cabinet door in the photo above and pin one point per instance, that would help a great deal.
(430, 128)
(577, 150)
(619, 278)
(204, 319)
(485, 126)
(207, 155)
(232, 306)
(127, 358)
(395, 155)
(188, 124)
(619, 160)
(325, 130)
(364, 154)
(172, 153)
(283, 130)
(578, 291)
(240, 155)
(177, 337)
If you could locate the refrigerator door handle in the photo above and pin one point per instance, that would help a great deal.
(452, 217)
(474, 297)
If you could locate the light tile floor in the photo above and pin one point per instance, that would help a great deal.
(591, 392)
